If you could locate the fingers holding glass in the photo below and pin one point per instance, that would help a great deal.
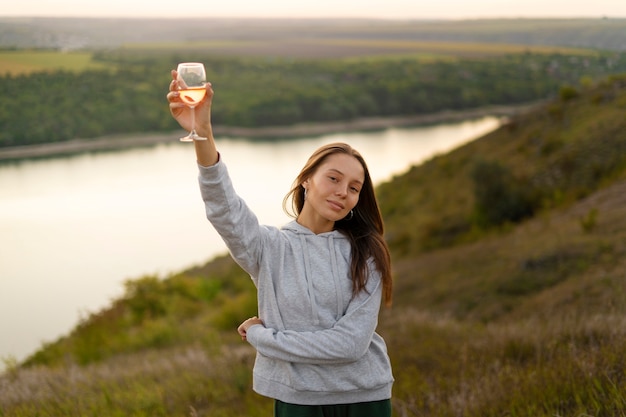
(190, 84)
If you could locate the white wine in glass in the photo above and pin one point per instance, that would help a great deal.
(192, 89)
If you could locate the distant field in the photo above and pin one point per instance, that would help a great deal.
(54, 33)
(28, 61)
(354, 48)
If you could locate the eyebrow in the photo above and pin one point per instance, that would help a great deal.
(339, 172)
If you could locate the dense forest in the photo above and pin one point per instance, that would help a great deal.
(44, 107)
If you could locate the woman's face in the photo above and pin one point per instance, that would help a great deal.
(333, 190)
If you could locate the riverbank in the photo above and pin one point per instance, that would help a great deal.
(277, 132)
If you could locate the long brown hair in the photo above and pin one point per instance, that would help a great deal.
(364, 228)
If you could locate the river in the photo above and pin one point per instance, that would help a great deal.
(74, 228)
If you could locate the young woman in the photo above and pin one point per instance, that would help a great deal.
(320, 279)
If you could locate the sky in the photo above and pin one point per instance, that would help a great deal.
(385, 9)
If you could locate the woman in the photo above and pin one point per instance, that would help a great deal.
(320, 279)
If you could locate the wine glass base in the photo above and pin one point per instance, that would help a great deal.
(191, 138)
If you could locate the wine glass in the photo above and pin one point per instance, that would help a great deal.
(191, 83)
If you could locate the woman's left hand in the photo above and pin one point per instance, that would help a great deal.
(243, 327)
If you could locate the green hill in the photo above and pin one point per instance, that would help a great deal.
(510, 266)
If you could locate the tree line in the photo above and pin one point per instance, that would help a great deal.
(57, 106)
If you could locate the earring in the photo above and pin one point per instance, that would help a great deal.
(305, 193)
(351, 215)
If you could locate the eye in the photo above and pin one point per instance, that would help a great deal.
(334, 179)
(355, 190)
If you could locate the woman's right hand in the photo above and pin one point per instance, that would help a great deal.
(206, 151)
(243, 327)
(182, 113)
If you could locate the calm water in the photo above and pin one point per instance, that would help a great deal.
(73, 229)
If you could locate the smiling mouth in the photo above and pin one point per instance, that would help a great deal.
(336, 205)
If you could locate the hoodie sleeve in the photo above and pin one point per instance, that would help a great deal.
(347, 341)
(228, 213)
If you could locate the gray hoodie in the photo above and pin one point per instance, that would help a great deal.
(319, 344)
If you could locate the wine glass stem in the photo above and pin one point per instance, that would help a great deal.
(193, 119)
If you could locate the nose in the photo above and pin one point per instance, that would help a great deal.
(342, 190)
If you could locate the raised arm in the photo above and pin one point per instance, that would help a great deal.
(206, 150)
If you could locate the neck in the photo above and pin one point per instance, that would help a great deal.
(314, 223)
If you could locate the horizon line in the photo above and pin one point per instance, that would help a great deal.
(406, 19)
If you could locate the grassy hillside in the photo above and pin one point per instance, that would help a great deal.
(509, 259)
(551, 157)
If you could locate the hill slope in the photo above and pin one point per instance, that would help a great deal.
(494, 315)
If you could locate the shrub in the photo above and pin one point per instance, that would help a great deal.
(589, 221)
(499, 196)
(567, 93)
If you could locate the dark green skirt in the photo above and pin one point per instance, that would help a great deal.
(367, 409)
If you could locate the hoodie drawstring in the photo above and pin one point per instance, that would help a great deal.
(334, 268)
(309, 280)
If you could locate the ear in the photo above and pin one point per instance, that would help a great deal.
(305, 184)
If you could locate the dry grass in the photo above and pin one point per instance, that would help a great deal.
(532, 367)
(588, 267)
(154, 383)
